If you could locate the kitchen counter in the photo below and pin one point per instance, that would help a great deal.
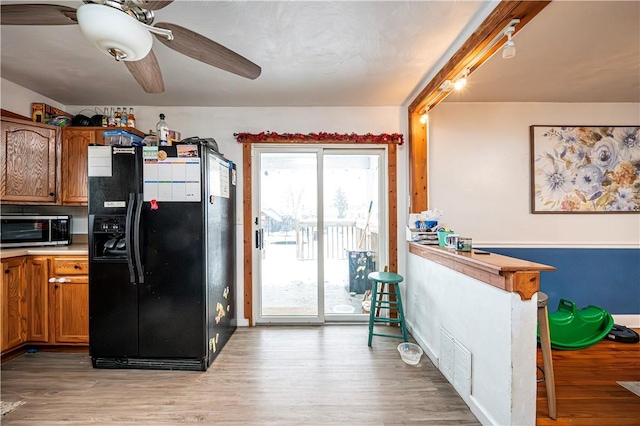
(464, 306)
(79, 249)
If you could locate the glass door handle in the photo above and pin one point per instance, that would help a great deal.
(260, 239)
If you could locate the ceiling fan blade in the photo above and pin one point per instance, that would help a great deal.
(156, 4)
(37, 14)
(208, 51)
(147, 73)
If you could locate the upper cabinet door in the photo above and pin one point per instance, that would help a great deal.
(74, 164)
(28, 157)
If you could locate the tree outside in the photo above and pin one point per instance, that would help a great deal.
(340, 202)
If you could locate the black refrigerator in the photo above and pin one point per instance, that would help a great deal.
(161, 256)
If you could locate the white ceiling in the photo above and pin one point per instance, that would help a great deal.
(572, 51)
(363, 53)
(311, 53)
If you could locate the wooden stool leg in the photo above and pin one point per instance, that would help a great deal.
(547, 360)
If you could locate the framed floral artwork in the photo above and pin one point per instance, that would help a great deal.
(585, 169)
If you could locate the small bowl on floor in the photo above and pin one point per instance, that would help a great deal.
(344, 309)
(410, 353)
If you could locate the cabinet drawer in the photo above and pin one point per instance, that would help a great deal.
(71, 266)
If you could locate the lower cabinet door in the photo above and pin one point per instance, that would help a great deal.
(12, 301)
(71, 309)
(37, 279)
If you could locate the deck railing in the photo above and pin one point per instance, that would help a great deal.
(340, 236)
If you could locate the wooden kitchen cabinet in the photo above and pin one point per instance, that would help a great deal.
(14, 315)
(69, 300)
(75, 141)
(37, 292)
(45, 300)
(28, 154)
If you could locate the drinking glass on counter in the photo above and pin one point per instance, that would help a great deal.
(464, 244)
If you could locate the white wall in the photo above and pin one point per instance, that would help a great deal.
(18, 99)
(479, 174)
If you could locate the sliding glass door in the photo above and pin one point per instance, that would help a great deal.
(320, 229)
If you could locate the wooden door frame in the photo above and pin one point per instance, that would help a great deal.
(247, 149)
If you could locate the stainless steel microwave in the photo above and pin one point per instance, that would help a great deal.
(36, 230)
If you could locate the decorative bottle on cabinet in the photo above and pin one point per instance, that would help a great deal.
(162, 130)
(111, 120)
(118, 117)
(131, 119)
(124, 118)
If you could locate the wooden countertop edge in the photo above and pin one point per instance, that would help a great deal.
(491, 262)
(71, 250)
(506, 273)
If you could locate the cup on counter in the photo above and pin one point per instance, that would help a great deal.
(451, 241)
(464, 244)
(442, 234)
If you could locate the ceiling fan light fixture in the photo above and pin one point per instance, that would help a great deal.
(114, 32)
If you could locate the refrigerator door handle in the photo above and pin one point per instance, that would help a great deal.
(136, 239)
(132, 274)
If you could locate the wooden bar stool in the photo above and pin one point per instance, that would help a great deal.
(547, 359)
(393, 302)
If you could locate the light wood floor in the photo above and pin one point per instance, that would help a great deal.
(265, 375)
(302, 375)
(586, 389)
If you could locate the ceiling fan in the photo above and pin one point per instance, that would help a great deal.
(122, 29)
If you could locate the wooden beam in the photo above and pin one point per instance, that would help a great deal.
(473, 53)
(418, 161)
(468, 53)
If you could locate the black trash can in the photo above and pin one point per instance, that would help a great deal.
(361, 263)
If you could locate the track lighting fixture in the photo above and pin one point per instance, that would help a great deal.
(447, 86)
(424, 114)
(493, 46)
(462, 80)
(509, 48)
